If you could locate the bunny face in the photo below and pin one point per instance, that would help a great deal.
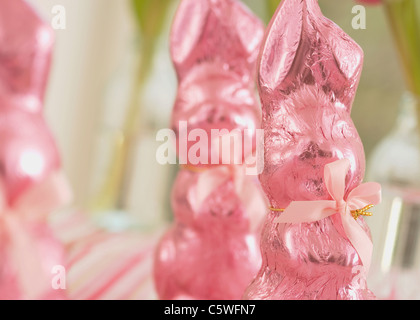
(213, 101)
(213, 45)
(303, 133)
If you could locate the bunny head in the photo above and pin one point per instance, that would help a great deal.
(309, 71)
(25, 56)
(27, 150)
(214, 46)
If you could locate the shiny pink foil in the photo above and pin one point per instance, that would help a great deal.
(309, 71)
(28, 153)
(211, 252)
(52, 254)
(214, 45)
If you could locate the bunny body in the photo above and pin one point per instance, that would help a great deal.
(211, 250)
(210, 254)
(25, 57)
(29, 159)
(307, 90)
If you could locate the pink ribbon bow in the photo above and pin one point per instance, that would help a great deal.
(361, 196)
(246, 189)
(33, 206)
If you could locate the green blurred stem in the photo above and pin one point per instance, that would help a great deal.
(271, 7)
(150, 16)
(404, 18)
(133, 119)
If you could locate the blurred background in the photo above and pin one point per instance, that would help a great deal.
(112, 87)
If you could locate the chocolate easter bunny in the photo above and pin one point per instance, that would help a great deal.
(31, 185)
(309, 71)
(212, 248)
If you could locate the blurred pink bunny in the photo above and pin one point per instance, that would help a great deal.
(309, 71)
(212, 248)
(31, 185)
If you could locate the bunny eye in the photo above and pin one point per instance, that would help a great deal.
(324, 154)
(314, 151)
(215, 117)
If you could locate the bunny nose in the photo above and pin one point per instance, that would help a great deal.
(217, 115)
(314, 151)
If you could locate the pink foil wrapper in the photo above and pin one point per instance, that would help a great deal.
(29, 160)
(52, 254)
(214, 45)
(211, 251)
(210, 254)
(309, 70)
(28, 153)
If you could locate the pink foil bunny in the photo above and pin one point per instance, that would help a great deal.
(212, 248)
(31, 185)
(309, 71)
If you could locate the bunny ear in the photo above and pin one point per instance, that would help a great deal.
(281, 44)
(187, 28)
(221, 32)
(302, 47)
(340, 65)
(25, 54)
(249, 29)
